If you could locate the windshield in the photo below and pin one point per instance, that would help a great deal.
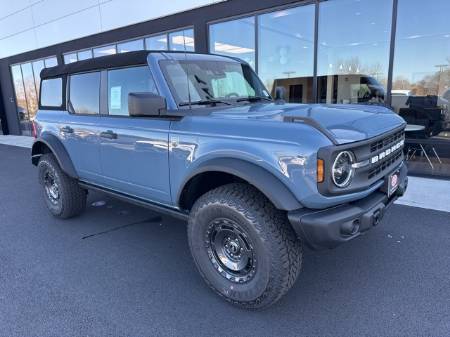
(211, 81)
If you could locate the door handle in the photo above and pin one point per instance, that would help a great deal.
(66, 129)
(109, 134)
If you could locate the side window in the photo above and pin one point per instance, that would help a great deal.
(51, 93)
(84, 95)
(123, 81)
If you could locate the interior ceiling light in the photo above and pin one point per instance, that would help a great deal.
(413, 37)
(109, 51)
(182, 40)
(228, 48)
(280, 14)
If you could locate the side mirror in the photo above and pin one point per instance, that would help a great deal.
(141, 104)
(279, 95)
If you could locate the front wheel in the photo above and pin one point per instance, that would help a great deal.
(62, 194)
(244, 248)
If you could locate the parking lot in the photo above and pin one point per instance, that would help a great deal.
(120, 270)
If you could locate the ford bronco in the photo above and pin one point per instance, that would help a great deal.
(199, 137)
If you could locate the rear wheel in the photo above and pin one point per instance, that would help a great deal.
(244, 248)
(62, 194)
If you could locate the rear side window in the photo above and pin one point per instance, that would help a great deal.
(51, 93)
(84, 93)
(123, 81)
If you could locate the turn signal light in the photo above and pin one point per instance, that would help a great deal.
(320, 171)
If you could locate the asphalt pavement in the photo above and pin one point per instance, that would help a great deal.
(121, 270)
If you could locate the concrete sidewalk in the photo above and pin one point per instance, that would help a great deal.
(21, 141)
(422, 192)
(427, 193)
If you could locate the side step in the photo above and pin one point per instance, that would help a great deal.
(174, 212)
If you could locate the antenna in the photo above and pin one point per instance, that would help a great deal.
(187, 70)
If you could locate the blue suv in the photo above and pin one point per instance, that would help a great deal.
(199, 137)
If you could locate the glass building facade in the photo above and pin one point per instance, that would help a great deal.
(26, 80)
(384, 52)
(348, 52)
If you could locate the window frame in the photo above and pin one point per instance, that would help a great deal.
(69, 103)
(63, 94)
(104, 95)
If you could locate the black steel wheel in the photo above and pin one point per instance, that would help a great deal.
(51, 186)
(230, 250)
(244, 248)
(62, 194)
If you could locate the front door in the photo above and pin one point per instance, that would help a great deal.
(134, 150)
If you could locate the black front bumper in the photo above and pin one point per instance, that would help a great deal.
(330, 227)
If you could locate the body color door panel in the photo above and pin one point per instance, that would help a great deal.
(134, 159)
(80, 129)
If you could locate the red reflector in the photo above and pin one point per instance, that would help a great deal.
(33, 129)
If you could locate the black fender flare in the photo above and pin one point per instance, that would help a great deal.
(59, 151)
(267, 183)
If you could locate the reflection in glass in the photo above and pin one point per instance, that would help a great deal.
(286, 51)
(128, 46)
(182, 40)
(353, 50)
(234, 38)
(70, 58)
(195, 83)
(51, 62)
(84, 93)
(123, 81)
(21, 101)
(84, 54)
(51, 92)
(104, 51)
(158, 42)
(37, 67)
(421, 83)
(30, 89)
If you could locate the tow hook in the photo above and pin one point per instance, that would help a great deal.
(377, 215)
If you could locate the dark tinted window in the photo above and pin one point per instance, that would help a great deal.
(123, 81)
(51, 92)
(84, 93)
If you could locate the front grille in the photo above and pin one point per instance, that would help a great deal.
(375, 158)
(388, 141)
(384, 165)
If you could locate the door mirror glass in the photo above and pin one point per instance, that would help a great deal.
(141, 104)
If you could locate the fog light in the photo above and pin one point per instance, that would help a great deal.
(350, 228)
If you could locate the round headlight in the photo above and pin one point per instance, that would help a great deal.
(342, 170)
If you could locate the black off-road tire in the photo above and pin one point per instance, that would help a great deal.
(71, 200)
(277, 250)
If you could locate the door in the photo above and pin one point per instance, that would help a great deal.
(296, 93)
(79, 130)
(133, 150)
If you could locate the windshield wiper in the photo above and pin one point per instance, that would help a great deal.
(204, 102)
(254, 99)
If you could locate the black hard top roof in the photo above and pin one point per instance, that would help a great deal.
(103, 62)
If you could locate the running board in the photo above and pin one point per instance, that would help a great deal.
(137, 201)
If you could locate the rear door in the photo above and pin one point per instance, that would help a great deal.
(133, 150)
(80, 130)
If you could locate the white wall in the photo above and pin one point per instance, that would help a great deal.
(30, 24)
